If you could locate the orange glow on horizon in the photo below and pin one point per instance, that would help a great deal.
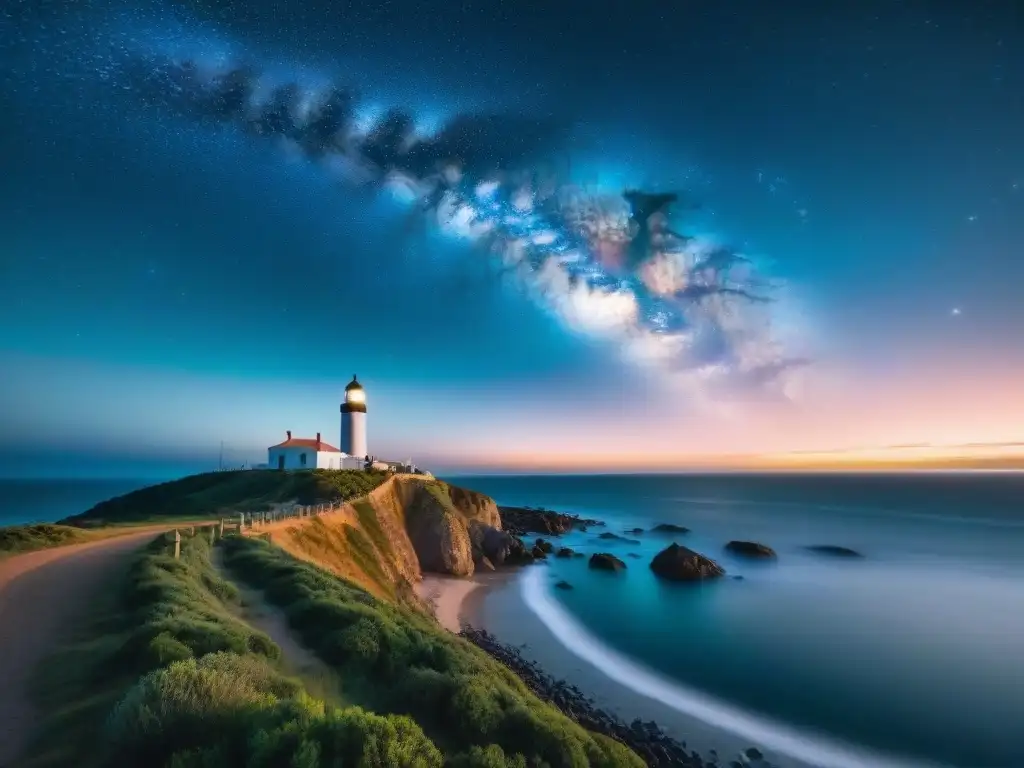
(1008, 456)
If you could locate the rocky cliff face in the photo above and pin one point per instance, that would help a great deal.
(474, 505)
(438, 531)
(408, 525)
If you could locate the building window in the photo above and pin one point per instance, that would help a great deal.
(302, 459)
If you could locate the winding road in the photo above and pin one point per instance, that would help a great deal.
(43, 595)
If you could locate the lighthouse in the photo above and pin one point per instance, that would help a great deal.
(353, 420)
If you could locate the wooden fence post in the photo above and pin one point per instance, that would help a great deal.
(213, 535)
(177, 544)
(241, 522)
(221, 532)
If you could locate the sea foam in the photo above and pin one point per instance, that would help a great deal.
(811, 749)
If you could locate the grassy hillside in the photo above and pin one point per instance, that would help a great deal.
(474, 708)
(168, 674)
(215, 493)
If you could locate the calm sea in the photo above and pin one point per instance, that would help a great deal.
(46, 500)
(915, 651)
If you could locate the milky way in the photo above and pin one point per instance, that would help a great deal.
(681, 304)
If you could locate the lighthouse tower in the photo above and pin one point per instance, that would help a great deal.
(353, 420)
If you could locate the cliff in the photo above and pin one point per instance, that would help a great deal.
(385, 540)
(391, 529)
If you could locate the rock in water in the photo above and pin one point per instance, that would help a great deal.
(607, 536)
(522, 520)
(490, 542)
(563, 585)
(670, 528)
(565, 552)
(518, 553)
(678, 563)
(835, 551)
(750, 549)
(603, 561)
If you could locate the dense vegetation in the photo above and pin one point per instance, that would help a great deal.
(170, 676)
(221, 493)
(475, 708)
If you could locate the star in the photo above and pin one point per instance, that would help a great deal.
(972, 217)
(955, 312)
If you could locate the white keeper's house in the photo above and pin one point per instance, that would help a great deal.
(315, 453)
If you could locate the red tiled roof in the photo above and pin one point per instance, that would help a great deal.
(307, 442)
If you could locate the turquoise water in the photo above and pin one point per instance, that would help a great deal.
(915, 651)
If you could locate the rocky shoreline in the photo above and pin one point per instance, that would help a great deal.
(519, 521)
(645, 738)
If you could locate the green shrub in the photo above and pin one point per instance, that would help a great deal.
(227, 710)
(491, 756)
(212, 699)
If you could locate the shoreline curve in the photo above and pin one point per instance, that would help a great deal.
(811, 749)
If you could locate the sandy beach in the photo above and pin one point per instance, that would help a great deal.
(448, 597)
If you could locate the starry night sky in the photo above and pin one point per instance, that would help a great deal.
(167, 284)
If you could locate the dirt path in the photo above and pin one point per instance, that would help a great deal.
(319, 679)
(42, 595)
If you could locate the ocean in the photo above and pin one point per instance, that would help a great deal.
(45, 500)
(909, 656)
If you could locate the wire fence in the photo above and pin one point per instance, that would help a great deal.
(249, 521)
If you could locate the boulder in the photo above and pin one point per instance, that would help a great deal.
(670, 528)
(750, 549)
(518, 554)
(538, 553)
(563, 585)
(545, 546)
(609, 536)
(604, 561)
(677, 563)
(635, 531)
(833, 550)
(496, 544)
(565, 552)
